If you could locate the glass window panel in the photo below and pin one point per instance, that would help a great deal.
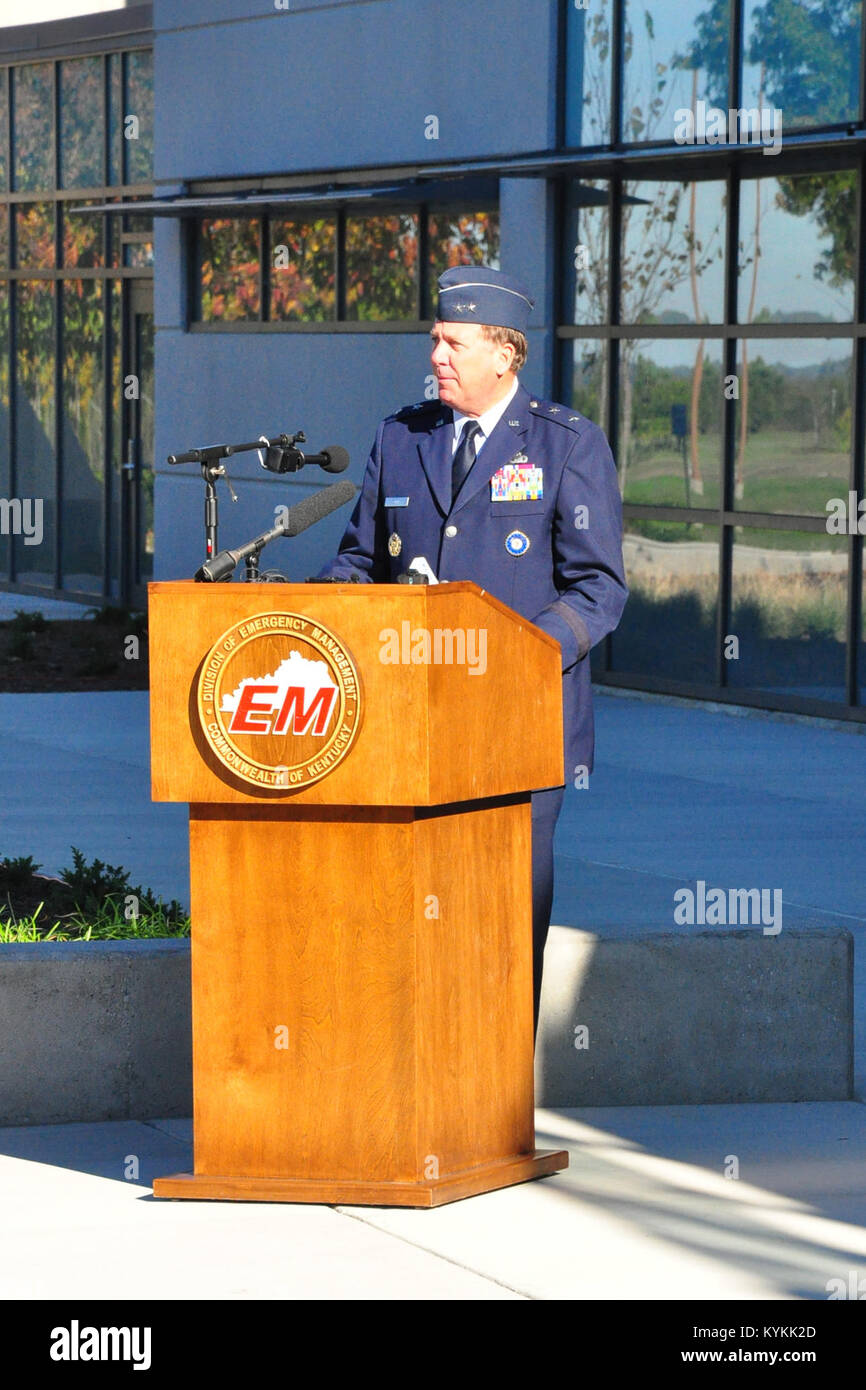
(812, 220)
(82, 239)
(81, 122)
(588, 73)
(141, 223)
(35, 407)
(303, 269)
(83, 435)
(34, 233)
(793, 427)
(4, 237)
(4, 128)
(673, 248)
(113, 224)
(585, 282)
(33, 135)
(789, 593)
(585, 378)
(115, 132)
(4, 417)
(675, 56)
(668, 629)
(138, 253)
(382, 267)
(671, 413)
(803, 58)
(459, 238)
(118, 442)
(138, 134)
(229, 274)
(144, 357)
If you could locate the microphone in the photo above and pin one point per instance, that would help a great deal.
(334, 459)
(297, 519)
(317, 507)
(419, 572)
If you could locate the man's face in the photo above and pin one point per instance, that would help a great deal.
(472, 373)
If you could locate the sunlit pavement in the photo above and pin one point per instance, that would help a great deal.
(645, 1211)
(748, 1201)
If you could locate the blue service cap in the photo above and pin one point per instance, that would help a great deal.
(476, 294)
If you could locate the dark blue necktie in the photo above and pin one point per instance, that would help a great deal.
(464, 457)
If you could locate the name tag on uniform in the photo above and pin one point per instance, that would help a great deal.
(396, 501)
(517, 482)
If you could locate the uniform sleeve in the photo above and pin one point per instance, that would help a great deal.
(587, 551)
(362, 549)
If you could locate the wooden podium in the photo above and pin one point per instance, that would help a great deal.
(360, 868)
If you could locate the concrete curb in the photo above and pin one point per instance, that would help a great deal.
(696, 1018)
(95, 1030)
(101, 1030)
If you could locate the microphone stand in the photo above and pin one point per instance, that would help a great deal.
(220, 567)
(211, 469)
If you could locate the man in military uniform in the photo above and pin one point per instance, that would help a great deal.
(492, 484)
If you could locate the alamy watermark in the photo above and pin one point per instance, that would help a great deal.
(439, 646)
(744, 125)
(738, 907)
(846, 518)
(22, 516)
(77, 1343)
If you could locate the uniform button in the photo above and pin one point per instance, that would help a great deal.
(450, 531)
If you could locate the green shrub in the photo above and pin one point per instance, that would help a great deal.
(88, 902)
(28, 622)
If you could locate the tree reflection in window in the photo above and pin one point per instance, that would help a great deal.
(303, 269)
(34, 145)
(470, 238)
(382, 267)
(82, 239)
(35, 236)
(230, 268)
(81, 122)
(138, 135)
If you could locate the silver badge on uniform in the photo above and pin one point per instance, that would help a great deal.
(517, 543)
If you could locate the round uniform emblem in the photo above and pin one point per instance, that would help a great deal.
(279, 700)
(395, 545)
(517, 543)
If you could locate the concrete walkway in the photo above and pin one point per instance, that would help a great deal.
(646, 1211)
(643, 1212)
(51, 609)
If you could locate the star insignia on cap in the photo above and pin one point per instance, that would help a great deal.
(465, 308)
(554, 410)
(573, 417)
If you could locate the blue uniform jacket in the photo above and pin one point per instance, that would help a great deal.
(555, 558)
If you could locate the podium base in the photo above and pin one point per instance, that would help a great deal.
(345, 1192)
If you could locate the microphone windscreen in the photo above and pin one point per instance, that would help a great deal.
(338, 459)
(318, 506)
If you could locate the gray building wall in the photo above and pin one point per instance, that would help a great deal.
(243, 89)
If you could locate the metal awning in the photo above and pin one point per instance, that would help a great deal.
(253, 202)
(240, 204)
(438, 182)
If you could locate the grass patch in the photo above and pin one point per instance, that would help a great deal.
(86, 902)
